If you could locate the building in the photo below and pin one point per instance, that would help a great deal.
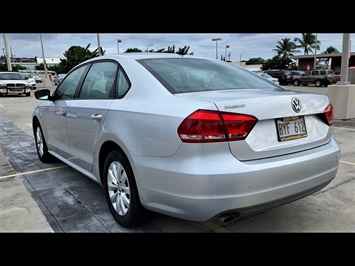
(332, 61)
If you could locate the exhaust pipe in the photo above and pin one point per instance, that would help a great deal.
(229, 217)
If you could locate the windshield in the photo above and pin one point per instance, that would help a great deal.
(195, 74)
(11, 76)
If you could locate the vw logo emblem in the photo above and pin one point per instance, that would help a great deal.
(296, 104)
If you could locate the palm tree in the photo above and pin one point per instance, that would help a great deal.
(285, 48)
(330, 50)
(307, 43)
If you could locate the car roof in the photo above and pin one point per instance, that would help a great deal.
(141, 55)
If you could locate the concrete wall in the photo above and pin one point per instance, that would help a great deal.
(351, 75)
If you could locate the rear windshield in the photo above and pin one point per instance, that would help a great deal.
(181, 75)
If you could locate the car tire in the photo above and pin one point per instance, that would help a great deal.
(121, 191)
(41, 145)
(296, 82)
(318, 83)
(28, 94)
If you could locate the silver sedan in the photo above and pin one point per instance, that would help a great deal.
(190, 137)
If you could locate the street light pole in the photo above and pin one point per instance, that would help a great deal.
(118, 45)
(216, 40)
(225, 57)
(240, 58)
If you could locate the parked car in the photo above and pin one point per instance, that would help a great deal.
(284, 76)
(31, 80)
(296, 72)
(264, 75)
(14, 83)
(318, 77)
(58, 78)
(37, 77)
(268, 77)
(189, 137)
(296, 76)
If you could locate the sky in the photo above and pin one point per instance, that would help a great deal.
(241, 46)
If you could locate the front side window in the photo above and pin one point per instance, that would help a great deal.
(99, 81)
(67, 88)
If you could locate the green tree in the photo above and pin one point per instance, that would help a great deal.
(308, 43)
(170, 49)
(16, 67)
(255, 61)
(277, 62)
(74, 56)
(133, 50)
(184, 50)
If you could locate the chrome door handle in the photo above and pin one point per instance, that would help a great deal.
(96, 116)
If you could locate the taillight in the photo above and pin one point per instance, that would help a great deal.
(328, 112)
(213, 126)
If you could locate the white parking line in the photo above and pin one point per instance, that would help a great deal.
(346, 128)
(346, 162)
(31, 172)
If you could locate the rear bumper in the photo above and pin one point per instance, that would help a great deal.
(204, 187)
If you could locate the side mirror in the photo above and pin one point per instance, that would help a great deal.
(43, 94)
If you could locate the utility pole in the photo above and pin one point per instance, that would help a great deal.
(8, 59)
(47, 81)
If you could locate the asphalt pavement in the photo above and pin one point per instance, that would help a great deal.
(53, 198)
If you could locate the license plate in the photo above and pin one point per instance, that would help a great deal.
(290, 128)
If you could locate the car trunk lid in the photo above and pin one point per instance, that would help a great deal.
(288, 121)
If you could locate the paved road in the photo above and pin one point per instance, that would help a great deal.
(37, 197)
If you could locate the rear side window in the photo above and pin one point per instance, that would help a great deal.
(122, 84)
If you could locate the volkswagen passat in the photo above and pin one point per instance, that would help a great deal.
(189, 137)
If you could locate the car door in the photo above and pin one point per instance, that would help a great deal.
(305, 78)
(56, 114)
(87, 113)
